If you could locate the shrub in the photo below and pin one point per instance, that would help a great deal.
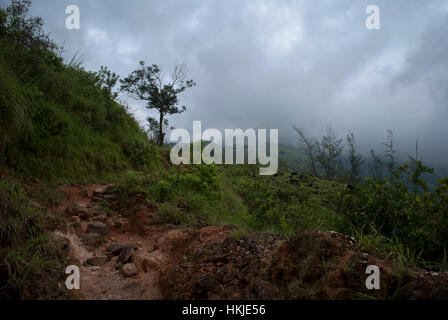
(417, 220)
(29, 260)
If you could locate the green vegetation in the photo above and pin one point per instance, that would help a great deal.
(31, 260)
(192, 196)
(148, 84)
(199, 195)
(389, 209)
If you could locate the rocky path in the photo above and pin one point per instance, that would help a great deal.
(121, 257)
(114, 262)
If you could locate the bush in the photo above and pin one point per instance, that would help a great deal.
(29, 260)
(141, 154)
(417, 220)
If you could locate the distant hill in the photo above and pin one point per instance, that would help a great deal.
(293, 157)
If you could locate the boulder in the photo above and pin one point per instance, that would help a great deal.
(98, 227)
(125, 255)
(116, 248)
(129, 270)
(96, 261)
(100, 190)
(92, 239)
(100, 218)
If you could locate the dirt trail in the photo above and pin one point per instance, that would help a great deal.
(105, 281)
(156, 248)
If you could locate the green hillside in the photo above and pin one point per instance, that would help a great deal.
(293, 157)
(58, 123)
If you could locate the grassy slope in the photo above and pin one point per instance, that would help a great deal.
(74, 132)
(293, 157)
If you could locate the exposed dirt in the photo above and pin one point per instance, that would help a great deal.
(136, 259)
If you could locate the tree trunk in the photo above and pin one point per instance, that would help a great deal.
(161, 135)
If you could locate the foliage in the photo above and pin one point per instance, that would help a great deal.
(147, 83)
(329, 151)
(107, 80)
(390, 208)
(355, 159)
(30, 264)
(193, 194)
(310, 147)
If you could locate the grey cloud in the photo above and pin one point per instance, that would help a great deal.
(269, 64)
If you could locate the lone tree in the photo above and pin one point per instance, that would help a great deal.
(310, 146)
(330, 149)
(389, 153)
(355, 159)
(148, 83)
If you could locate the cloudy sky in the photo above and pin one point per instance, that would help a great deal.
(271, 64)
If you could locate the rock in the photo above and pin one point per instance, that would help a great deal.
(100, 218)
(75, 219)
(94, 268)
(80, 205)
(116, 248)
(125, 255)
(84, 214)
(151, 263)
(139, 262)
(100, 190)
(92, 239)
(145, 264)
(97, 208)
(129, 270)
(98, 227)
(96, 261)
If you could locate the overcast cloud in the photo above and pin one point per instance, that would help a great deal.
(270, 64)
